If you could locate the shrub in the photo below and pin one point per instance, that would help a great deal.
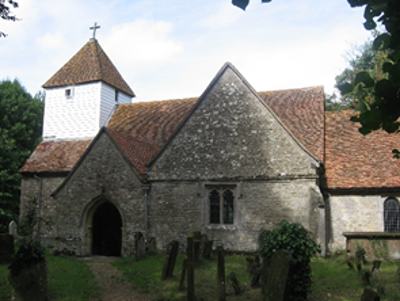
(28, 254)
(294, 238)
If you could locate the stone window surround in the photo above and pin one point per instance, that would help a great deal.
(220, 186)
(387, 221)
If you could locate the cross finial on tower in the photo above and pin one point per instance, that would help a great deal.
(94, 29)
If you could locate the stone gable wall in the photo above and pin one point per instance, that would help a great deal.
(232, 135)
(104, 175)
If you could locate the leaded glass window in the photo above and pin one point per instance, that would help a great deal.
(221, 206)
(392, 215)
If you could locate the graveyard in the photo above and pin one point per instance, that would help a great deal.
(208, 272)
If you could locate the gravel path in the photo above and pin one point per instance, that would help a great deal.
(114, 286)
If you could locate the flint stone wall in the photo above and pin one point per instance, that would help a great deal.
(355, 214)
(29, 189)
(104, 175)
(177, 209)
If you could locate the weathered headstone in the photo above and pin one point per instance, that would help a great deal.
(278, 275)
(13, 229)
(366, 277)
(196, 244)
(170, 260)
(183, 275)
(370, 295)
(6, 248)
(207, 249)
(256, 272)
(151, 246)
(221, 273)
(190, 268)
(140, 246)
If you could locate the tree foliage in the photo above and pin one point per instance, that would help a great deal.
(382, 109)
(361, 58)
(5, 12)
(20, 132)
(294, 238)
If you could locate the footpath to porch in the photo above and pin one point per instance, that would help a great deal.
(112, 282)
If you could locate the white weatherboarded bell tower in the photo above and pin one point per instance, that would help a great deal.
(82, 95)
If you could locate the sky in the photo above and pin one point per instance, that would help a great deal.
(173, 49)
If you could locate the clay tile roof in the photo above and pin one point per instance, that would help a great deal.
(90, 64)
(356, 161)
(152, 121)
(55, 156)
(302, 112)
(138, 151)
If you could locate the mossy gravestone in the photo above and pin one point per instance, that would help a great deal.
(278, 276)
(6, 248)
(170, 260)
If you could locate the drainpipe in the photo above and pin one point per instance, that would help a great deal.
(39, 204)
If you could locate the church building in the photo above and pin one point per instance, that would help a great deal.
(227, 163)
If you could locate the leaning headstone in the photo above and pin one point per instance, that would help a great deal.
(278, 275)
(221, 273)
(370, 295)
(170, 260)
(140, 246)
(6, 248)
(13, 229)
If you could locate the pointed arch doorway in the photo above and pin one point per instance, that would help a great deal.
(106, 231)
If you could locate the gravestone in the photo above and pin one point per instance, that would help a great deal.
(190, 269)
(183, 275)
(151, 246)
(278, 276)
(221, 273)
(170, 260)
(6, 248)
(207, 249)
(370, 295)
(196, 245)
(140, 246)
(13, 229)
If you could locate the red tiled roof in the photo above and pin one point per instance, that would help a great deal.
(55, 156)
(302, 112)
(152, 121)
(356, 161)
(89, 64)
(138, 151)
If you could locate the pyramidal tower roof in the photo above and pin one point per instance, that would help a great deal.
(90, 64)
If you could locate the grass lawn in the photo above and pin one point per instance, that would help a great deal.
(69, 279)
(332, 279)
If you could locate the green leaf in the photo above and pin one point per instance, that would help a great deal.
(355, 3)
(241, 3)
(365, 78)
(381, 42)
(345, 88)
(266, 1)
(384, 88)
(369, 24)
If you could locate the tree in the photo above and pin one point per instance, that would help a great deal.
(361, 58)
(5, 12)
(20, 132)
(383, 110)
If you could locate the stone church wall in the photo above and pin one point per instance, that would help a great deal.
(104, 175)
(30, 188)
(176, 209)
(354, 214)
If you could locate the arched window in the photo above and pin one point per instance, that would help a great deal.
(221, 206)
(391, 215)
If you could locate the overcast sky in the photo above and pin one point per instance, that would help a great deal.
(173, 49)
